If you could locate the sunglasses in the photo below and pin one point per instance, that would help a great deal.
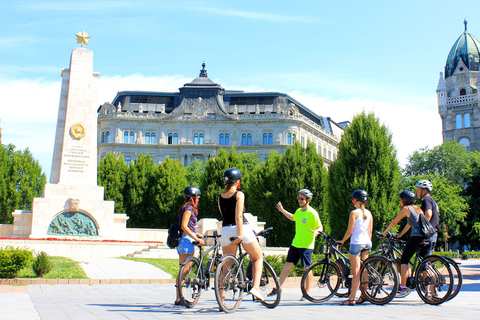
(302, 199)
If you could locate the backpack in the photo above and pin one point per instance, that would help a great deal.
(174, 234)
(426, 228)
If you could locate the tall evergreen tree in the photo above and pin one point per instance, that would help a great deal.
(111, 175)
(194, 172)
(167, 193)
(279, 179)
(366, 160)
(135, 195)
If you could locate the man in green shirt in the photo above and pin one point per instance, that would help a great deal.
(307, 227)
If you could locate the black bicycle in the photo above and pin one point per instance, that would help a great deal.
(432, 278)
(233, 281)
(194, 276)
(324, 278)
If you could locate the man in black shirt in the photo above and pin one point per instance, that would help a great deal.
(429, 208)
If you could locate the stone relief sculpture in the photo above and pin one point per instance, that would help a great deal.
(119, 107)
(140, 108)
(72, 223)
(235, 109)
(257, 109)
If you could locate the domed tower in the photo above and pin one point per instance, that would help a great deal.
(458, 99)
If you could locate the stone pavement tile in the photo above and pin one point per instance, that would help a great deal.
(17, 305)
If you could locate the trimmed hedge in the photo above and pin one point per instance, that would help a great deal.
(12, 260)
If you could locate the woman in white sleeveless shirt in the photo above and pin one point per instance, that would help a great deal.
(360, 226)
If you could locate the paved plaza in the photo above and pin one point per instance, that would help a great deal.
(155, 301)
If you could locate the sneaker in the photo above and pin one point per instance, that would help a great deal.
(254, 292)
(273, 293)
(179, 303)
(401, 292)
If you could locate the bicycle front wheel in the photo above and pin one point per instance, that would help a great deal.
(320, 281)
(190, 282)
(434, 280)
(270, 288)
(378, 280)
(228, 281)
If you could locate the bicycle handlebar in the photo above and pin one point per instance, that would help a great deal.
(259, 234)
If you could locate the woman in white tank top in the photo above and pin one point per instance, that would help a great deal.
(360, 226)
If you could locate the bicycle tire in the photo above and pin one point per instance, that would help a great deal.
(268, 282)
(378, 280)
(434, 275)
(457, 276)
(228, 279)
(325, 280)
(190, 282)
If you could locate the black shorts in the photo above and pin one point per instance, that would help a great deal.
(295, 254)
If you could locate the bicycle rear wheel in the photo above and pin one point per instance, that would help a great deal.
(190, 282)
(270, 288)
(457, 277)
(228, 279)
(378, 280)
(320, 281)
(434, 280)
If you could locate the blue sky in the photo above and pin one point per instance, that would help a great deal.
(336, 57)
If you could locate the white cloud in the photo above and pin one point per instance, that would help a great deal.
(29, 112)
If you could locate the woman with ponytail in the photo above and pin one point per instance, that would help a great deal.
(360, 227)
(187, 219)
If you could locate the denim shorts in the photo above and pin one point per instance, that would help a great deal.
(355, 249)
(186, 245)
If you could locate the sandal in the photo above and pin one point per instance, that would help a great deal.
(348, 303)
(361, 300)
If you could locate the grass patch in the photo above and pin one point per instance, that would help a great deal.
(63, 268)
(170, 266)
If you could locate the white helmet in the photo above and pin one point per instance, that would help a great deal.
(307, 193)
(424, 184)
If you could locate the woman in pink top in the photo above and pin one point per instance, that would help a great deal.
(360, 226)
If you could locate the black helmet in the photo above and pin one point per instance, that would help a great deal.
(408, 197)
(191, 191)
(231, 176)
(360, 195)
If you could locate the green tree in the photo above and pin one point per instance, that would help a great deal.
(366, 160)
(111, 175)
(471, 229)
(137, 186)
(167, 193)
(212, 183)
(21, 180)
(194, 172)
(279, 179)
(449, 159)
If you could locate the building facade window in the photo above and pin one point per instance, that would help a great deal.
(132, 136)
(244, 139)
(195, 138)
(249, 139)
(289, 138)
(175, 138)
(458, 121)
(466, 120)
(270, 138)
(294, 138)
(227, 139)
(265, 138)
(200, 140)
(102, 140)
(128, 159)
(107, 136)
(153, 138)
(465, 142)
(125, 137)
(147, 138)
(221, 139)
(463, 92)
(170, 138)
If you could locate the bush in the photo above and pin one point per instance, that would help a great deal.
(12, 260)
(470, 254)
(42, 264)
(277, 262)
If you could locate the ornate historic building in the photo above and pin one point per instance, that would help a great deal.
(194, 123)
(457, 93)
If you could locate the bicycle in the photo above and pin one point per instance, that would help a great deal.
(328, 276)
(194, 277)
(432, 277)
(233, 281)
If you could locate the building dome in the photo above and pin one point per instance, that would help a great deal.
(466, 48)
(202, 79)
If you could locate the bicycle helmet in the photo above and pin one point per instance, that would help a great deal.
(360, 195)
(231, 176)
(191, 191)
(424, 184)
(408, 197)
(307, 193)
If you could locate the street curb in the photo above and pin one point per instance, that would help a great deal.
(24, 282)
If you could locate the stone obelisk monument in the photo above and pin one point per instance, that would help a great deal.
(73, 204)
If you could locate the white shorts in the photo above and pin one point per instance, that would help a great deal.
(231, 232)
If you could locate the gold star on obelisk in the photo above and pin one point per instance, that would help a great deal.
(83, 38)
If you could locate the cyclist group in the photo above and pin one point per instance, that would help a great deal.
(236, 230)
